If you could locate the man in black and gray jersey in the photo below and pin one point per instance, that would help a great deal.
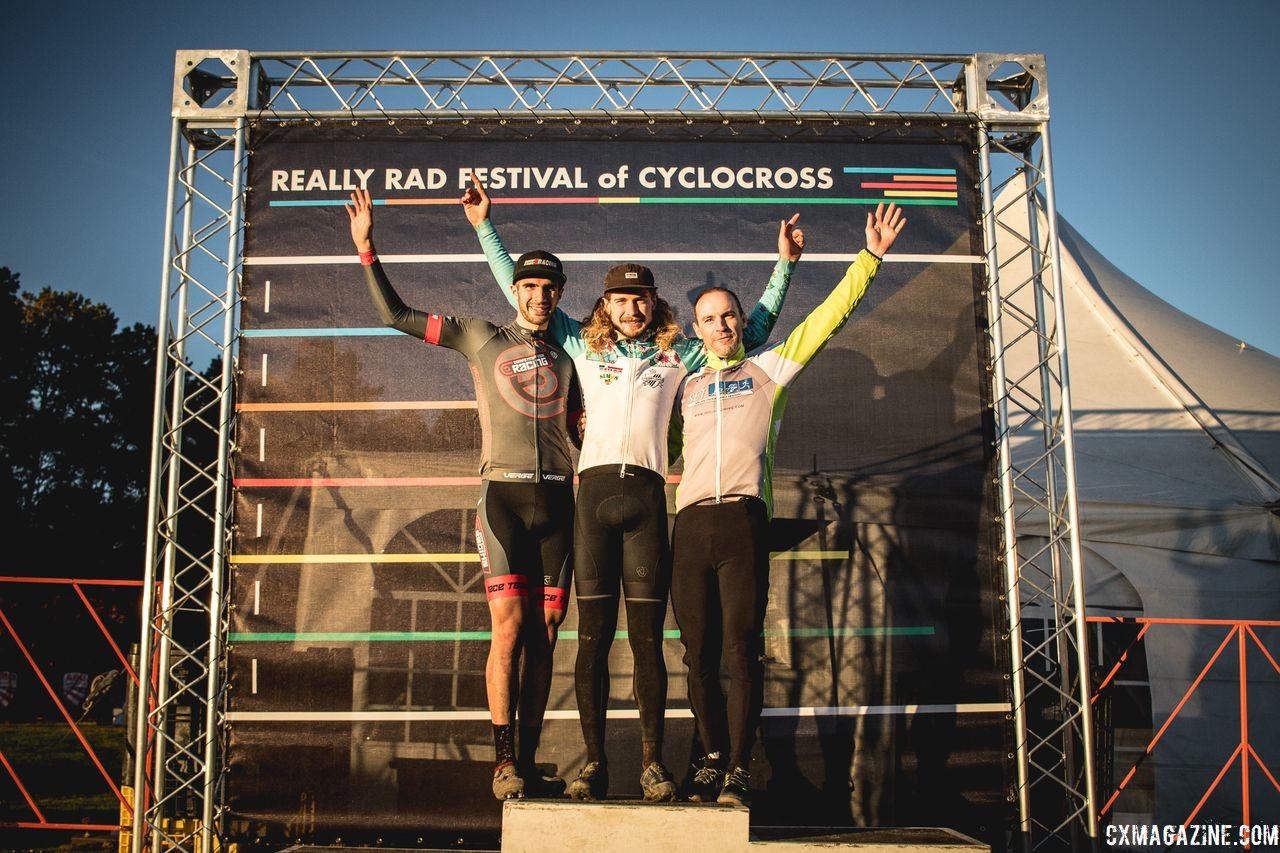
(527, 396)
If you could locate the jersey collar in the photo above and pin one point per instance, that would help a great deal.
(715, 362)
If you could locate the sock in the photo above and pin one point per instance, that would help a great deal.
(504, 746)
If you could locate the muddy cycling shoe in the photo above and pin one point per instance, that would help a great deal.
(542, 786)
(507, 784)
(657, 784)
(592, 782)
(737, 787)
(707, 780)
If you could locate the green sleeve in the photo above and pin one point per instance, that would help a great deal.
(765, 314)
(675, 435)
(808, 338)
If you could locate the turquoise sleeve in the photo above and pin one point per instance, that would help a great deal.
(765, 314)
(500, 263)
(563, 331)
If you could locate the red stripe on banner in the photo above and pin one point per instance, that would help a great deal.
(554, 598)
(506, 586)
(548, 200)
(903, 185)
(281, 482)
(434, 324)
(276, 482)
(81, 581)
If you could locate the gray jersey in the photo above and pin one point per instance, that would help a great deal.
(525, 386)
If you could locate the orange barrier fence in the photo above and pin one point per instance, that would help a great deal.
(11, 632)
(1243, 634)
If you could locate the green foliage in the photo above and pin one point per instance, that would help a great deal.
(75, 415)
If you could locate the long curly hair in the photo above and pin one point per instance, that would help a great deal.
(598, 333)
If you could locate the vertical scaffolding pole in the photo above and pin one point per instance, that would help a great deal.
(158, 463)
(1087, 784)
(217, 635)
(1000, 398)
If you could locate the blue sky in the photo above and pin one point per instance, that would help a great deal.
(1162, 116)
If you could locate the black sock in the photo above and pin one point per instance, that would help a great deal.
(504, 743)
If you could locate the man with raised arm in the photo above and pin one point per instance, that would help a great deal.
(630, 360)
(526, 393)
(731, 410)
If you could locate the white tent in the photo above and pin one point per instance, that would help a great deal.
(1177, 430)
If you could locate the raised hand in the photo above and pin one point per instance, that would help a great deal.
(475, 202)
(360, 212)
(790, 239)
(883, 227)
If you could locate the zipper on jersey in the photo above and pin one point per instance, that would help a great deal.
(537, 410)
(719, 386)
(626, 423)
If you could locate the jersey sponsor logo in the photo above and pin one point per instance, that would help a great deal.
(524, 365)
(609, 374)
(526, 378)
(653, 379)
(518, 475)
(555, 478)
(722, 390)
(608, 356)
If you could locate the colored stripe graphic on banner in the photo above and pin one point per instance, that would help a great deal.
(787, 200)
(356, 482)
(614, 713)
(601, 257)
(356, 406)
(454, 557)
(457, 636)
(326, 482)
(910, 186)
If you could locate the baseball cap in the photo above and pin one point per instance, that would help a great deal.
(539, 264)
(629, 277)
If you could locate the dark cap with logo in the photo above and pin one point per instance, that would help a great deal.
(629, 277)
(539, 264)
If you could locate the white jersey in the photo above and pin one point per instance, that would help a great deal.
(629, 389)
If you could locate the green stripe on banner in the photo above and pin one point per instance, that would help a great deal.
(865, 201)
(454, 636)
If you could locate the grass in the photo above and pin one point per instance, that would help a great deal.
(58, 773)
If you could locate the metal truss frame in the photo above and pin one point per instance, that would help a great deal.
(179, 774)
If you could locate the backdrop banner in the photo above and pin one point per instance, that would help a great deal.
(359, 627)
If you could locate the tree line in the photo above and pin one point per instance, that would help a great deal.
(75, 434)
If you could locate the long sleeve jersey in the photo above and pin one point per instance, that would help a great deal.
(629, 388)
(732, 408)
(525, 386)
